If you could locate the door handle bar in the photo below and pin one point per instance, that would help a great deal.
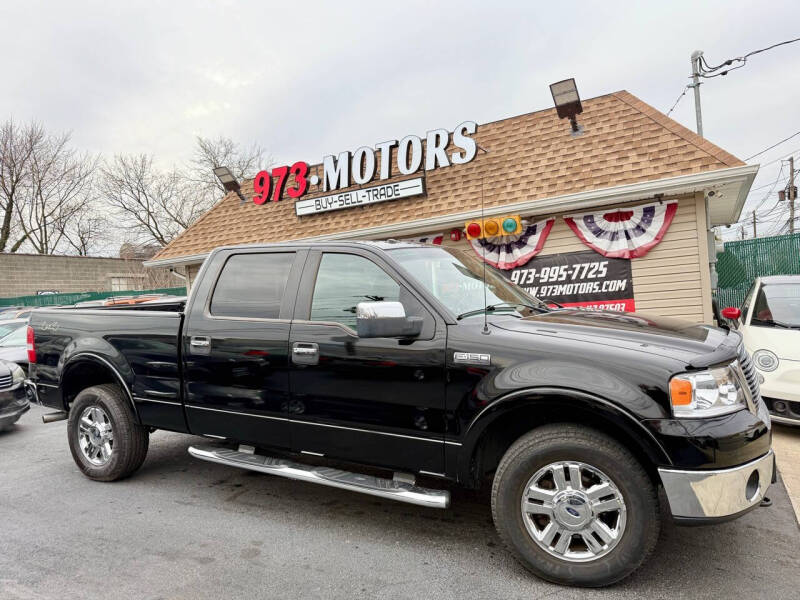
(304, 350)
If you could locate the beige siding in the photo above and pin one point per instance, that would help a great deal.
(191, 274)
(672, 279)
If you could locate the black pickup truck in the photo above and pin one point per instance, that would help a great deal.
(372, 365)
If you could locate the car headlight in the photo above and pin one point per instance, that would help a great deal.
(707, 393)
(766, 360)
(17, 375)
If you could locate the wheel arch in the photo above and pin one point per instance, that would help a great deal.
(501, 423)
(84, 370)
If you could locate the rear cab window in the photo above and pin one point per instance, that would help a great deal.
(251, 286)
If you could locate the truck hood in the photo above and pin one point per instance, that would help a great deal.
(694, 344)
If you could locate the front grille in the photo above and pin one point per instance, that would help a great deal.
(749, 372)
(5, 381)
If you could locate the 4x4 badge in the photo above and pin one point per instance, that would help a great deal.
(472, 358)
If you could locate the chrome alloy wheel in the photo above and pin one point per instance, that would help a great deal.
(573, 511)
(95, 435)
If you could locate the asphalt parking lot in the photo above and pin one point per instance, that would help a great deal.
(186, 529)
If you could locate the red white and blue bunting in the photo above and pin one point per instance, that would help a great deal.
(625, 232)
(509, 251)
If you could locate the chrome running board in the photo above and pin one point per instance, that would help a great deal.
(346, 480)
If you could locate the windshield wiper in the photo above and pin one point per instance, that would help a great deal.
(777, 323)
(500, 305)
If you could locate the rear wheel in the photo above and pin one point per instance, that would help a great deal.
(575, 506)
(106, 442)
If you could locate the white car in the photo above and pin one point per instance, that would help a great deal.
(769, 320)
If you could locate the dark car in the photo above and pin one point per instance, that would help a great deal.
(419, 361)
(13, 397)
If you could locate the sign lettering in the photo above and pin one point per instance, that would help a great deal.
(583, 279)
(370, 195)
(360, 167)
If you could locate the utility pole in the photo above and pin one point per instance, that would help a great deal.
(791, 194)
(755, 234)
(696, 86)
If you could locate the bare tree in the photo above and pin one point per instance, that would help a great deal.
(154, 205)
(56, 192)
(244, 162)
(88, 231)
(17, 144)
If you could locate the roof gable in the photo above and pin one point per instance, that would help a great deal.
(529, 157)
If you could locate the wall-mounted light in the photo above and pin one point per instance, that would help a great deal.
(228, 181)
(568, 102)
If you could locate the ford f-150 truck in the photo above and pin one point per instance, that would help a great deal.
(378, 367)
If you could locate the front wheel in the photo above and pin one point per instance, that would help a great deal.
(575, 506)
(105, 440)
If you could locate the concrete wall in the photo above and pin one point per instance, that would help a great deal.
(25, 274)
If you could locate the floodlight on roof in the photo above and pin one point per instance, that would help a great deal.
(228, 181)
(567, 101)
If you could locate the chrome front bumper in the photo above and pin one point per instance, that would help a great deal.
(707, 495)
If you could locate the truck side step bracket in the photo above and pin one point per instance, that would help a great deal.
(346, 480)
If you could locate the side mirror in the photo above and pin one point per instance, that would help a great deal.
(732, 313)
(385, 320)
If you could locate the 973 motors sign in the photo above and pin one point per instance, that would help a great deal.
(582, 279)
(365, 165)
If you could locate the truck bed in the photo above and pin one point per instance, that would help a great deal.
(142, 347)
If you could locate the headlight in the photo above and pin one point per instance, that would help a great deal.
(17, 375)
(706, 393)
(765, 360)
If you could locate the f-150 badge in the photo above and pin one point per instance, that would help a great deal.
(472, 358)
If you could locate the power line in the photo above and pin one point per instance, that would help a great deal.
(761, 187)
(743, 218)
(771, 189)
(683, 93)
(771, 47)
(773, 146)
(784, 157)
(707, 71)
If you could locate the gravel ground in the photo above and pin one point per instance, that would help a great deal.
(182, 528)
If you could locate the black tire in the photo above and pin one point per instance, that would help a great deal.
(568, 442)
(130, 442)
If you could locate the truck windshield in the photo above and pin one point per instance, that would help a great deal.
(777, 305)
(455, 278)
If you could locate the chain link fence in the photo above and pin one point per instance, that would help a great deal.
(73, 298)
(744, 260)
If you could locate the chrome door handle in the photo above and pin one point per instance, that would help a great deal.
(305, 353)
(200, 344)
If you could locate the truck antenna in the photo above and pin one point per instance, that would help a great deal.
(485, 330)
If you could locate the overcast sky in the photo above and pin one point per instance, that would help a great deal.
(306, 79)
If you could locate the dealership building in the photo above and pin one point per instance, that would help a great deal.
(616, 214)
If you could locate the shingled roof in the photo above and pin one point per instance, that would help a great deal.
(530, 157)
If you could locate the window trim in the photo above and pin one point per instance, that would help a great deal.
(291, 278)
(749, 306)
